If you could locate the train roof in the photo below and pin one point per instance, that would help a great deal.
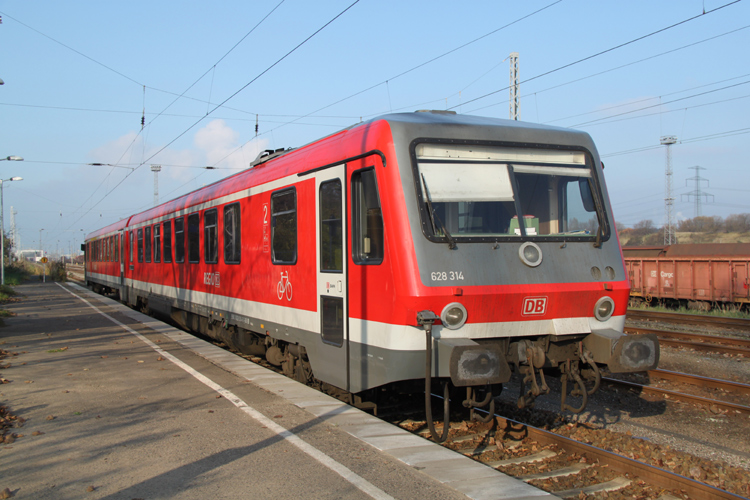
(689, 250)
(115, 226)
(428, 124)
(494, 128)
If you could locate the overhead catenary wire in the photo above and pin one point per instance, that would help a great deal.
(287, 54)
(592, 56)
(403, 73)
(599, 73)
(215, 114)
(718, 135)
(664, 112)
(662, 103)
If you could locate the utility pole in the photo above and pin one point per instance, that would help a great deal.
(515, 99)
(669, 236)
(698, 193)
(15, 244)
(156, 169)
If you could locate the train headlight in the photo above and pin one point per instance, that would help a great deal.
(604, 308)
(453, 316)
(530, 254)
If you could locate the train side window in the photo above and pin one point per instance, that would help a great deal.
(232, 230)
(117, 248)
(194, 249)
(284, 227)
(210, 236)
(147, 242)
(140, 245)
(367, 219)
(331, 236)
(168, 241)
(179, 239)
(157, 243)
(132, 244)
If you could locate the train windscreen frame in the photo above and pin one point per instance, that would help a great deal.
(474, 192)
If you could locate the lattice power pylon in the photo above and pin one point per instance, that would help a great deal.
(669, 236)
(515, 98)
(698, 193)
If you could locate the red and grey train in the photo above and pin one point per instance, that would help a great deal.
(412, 247)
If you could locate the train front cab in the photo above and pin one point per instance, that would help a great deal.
(519, 269)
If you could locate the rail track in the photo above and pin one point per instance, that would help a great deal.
(739, 324)
(698, 341)
(563, 466)
(695, 380)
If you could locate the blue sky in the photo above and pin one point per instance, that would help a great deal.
(75, 74)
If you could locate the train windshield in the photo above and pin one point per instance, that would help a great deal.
(476, 192)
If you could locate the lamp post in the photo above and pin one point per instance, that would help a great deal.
(44, 267)
(11, 158)
(2, 229)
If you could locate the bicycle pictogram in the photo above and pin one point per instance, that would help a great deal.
(284, 287)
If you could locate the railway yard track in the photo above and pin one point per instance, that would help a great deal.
(698, 320)
(731, 335)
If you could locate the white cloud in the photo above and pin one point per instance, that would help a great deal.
(220, 144)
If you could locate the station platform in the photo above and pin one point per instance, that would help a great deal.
(118, 405)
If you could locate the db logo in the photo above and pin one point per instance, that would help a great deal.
(534, 306)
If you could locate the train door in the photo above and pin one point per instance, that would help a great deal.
(120, 242)
(333, 348)
(740, 277)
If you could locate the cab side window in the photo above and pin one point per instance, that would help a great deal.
(367, 219)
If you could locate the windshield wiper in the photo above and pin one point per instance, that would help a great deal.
(434, 217)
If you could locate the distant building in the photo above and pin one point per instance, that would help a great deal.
(30, 255)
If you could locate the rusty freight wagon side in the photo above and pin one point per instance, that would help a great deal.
(698, 275)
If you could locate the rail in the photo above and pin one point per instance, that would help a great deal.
(697, 341)
(505, 428)
(680, 396)
(741, 324)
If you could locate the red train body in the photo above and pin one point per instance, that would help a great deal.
(335, 258)
(698, 275)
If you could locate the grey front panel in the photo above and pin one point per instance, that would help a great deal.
(488, 263)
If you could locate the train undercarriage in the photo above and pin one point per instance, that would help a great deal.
(478, 370)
